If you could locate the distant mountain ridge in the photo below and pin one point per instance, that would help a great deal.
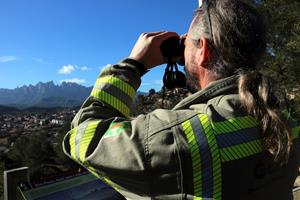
(45, 95)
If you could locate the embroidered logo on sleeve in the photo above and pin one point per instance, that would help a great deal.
(116, 128)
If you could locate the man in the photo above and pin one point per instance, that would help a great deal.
(226, 141)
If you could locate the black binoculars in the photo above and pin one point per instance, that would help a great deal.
(173, 49)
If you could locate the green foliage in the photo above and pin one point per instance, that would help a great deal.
(41, 153)
(34, 151)
(283, 42)
(283, 37)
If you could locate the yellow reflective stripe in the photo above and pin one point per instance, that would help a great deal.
(111, 100)
(295, 132)
(122, 85)
(241, 151)
(102, 177)
(196, 162)
(86, 138)
(84, 143)
(72, 138)
(197, 198)
(234, 124)
(215, 156)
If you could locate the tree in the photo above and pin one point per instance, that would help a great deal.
(283, 44)
(283, 38)
(34, 151)
(151, 91)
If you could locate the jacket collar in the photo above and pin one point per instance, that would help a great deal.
(220, 87)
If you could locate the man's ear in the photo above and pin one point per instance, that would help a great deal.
(204, 52)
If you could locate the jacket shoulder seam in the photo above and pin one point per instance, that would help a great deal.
(179, 164)
(170, 125)
(147, 154)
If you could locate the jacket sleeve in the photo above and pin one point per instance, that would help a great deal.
(103, 138)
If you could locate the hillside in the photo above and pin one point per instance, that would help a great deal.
(153, 100)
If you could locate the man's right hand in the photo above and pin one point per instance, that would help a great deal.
(147, 48)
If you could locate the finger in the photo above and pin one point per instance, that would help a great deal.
(183, 35)
(149, 34)
(165, 35)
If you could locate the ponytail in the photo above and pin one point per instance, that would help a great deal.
(259, 101)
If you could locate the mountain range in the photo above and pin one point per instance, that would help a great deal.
(45, 95)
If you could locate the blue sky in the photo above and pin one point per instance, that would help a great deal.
(71, 40)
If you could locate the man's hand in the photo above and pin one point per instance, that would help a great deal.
(147, 48)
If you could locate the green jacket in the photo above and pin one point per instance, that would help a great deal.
(206, 147)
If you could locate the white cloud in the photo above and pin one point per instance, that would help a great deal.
(84, 68)
(66, 69)
(40, 60)
(7, 58)
(74, 80)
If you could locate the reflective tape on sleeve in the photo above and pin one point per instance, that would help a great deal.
(72, 142)
(86, 138)
(118, 83)
(80, 138)
(111, 100)
(115, 92)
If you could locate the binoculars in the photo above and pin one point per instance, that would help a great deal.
(173, 49)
